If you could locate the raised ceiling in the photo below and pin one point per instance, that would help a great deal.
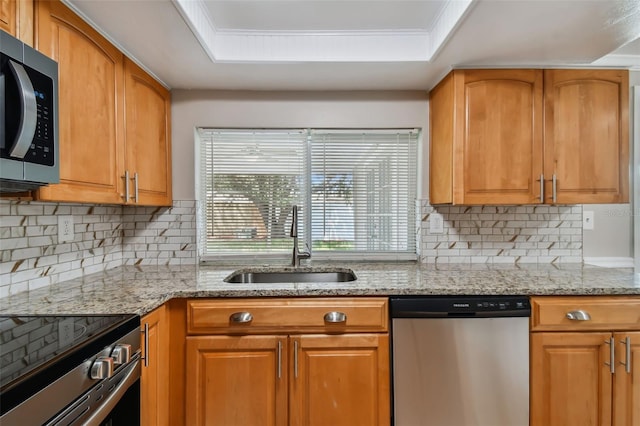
(359, 44)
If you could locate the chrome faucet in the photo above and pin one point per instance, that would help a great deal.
(297, 254)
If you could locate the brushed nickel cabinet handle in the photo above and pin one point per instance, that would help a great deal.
(135, 187)
(145, 358)
(578, 315)
(627, 357)
(612, 354)
(126, 186)
(335, 317)
(279, 359)
(295, 359)
(555, 188)
(241, 317)
(542, 188)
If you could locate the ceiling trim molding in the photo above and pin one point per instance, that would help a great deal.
(320, 46)
(616, 60)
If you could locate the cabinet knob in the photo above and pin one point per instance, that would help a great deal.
(579, 315)
(241, 317)
(335, 317)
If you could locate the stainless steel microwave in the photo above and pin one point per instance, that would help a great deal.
(29, 154)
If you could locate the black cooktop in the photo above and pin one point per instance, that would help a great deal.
(38, 349)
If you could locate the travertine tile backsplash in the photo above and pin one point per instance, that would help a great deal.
(105, 237)
(111, 236)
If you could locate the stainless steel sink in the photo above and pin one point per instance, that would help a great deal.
(291, 276)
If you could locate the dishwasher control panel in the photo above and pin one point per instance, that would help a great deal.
(459, 306)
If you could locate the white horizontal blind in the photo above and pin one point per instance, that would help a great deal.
(358, 186)
(250, 179)
(363, 187)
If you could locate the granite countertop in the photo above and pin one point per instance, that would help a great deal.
(140, 289)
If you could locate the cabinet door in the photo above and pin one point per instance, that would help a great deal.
(90, 107)
(154, 381)
(340, 380)
(148, 146)
(627, 380)
(587, 135)
(571, 384)
(501, 129)
(236, 380)
(8, 16)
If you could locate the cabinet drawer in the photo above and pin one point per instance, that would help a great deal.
(205, 316)
(604, 313)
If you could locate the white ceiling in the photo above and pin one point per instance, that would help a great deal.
(360, 44)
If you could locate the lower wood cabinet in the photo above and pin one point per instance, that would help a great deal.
(339, 380)
(154, 381)
(585, 370)
(329, 376)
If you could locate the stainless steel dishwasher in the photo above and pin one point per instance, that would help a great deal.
(460, 361)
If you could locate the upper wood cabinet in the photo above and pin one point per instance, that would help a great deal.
(114, 118)
(91, 87)
(147, 137)
(586, 135)
(16, 18)
(486, 137)
(528, 136)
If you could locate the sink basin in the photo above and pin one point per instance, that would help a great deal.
(338, 276)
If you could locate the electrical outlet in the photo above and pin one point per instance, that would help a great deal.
(65, 332)
(436, 223)
(65, 228)
(587, 219)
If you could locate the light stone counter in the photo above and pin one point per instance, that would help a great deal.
(140, 289)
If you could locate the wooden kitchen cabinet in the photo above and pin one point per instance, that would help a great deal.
(154, 380)
(585, 371)
(340, 380)
(114, 118)
(587, 135)
(528, 136)
(91, 87)
(16, 18)
(287, 365)
(237, 380)
(486, 137)
(147, 137)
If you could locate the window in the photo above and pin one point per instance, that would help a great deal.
(355, 190)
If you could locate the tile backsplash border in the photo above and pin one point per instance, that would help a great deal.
(110, 236)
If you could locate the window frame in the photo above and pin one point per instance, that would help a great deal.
(319, 255)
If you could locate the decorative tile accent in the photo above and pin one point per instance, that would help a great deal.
(160, 235)
(503, 234)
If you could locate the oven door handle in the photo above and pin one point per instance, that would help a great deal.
(114, 397)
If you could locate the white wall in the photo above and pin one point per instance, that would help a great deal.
(191, 109)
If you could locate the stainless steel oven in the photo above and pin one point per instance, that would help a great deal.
(70, 370)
